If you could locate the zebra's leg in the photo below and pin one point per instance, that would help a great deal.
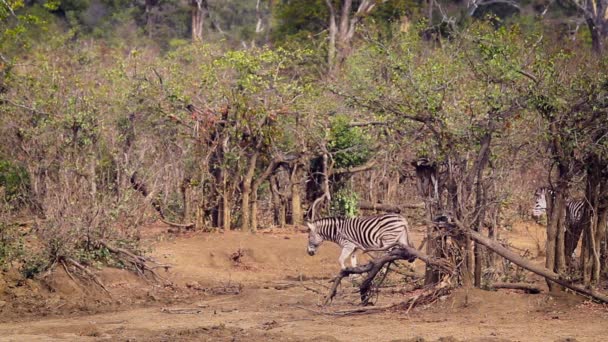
(346, 252)
(403, 241)
(353, 259)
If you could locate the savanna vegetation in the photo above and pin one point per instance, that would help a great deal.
(244, 115)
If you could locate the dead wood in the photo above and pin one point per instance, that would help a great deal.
(237, 256)
(233, 289)
(67, 271)
(140, 263)
(311, 289)
(185, 311)
(428, 295)
(177, 225)
(374, 266)
(88, 273)
(516, 259)
(529, 288)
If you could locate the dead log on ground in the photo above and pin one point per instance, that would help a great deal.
(529, 288)
(519, 261)
(427, 296)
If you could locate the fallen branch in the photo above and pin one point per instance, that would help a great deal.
(177, 225)
(140, 263)
(427, 296)
(67, 271)
(87, 272)
(226, 290)
(181, 311)
(516, 259)
(311, 289)
(529, 288)
(374, 266)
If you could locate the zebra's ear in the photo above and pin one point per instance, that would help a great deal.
(311, 226)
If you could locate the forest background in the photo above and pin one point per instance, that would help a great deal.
(219, 115)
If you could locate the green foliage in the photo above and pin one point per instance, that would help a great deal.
(350, 146)
(11, 244)
(14, 181)
(23, 26)
(300, 19)
(34, 264)
(345, 203)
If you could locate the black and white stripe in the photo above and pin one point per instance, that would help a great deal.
(360, 233)
(575, 214)
(575, 208)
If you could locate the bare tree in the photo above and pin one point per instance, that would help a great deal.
(200, 12)
(595, 13)
(343, 21)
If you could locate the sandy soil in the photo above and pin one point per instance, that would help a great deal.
(272, 294)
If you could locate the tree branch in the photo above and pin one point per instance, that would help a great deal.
(516, 259)
(374, 266)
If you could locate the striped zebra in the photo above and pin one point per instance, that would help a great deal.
(359, 233)
(575, 214)
(575, 209)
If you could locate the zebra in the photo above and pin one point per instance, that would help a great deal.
(360, 233)
(575, 208)
(575, 214)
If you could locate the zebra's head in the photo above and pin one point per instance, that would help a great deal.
(540, 203)
(314, 238)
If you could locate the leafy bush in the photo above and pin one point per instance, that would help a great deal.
(15, 181)
(345, 202)
(350, 146)
(11, 245)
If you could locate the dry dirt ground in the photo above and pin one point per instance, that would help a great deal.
(271, 293)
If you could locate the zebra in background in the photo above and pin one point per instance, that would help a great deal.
(575, 209)
(359, 233)
(575, 214)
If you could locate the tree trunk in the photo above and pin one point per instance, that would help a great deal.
(592, 234)
(200, 11)
(556, 210)
(480, 202)
(296, 191)
(225, 203)
(596, 16)
(426, 172)
(254, 189)
(149, 4)
(246, 191)
(333, 32)
(278, 202)
(93, 177)
(186, 200)
(341, 34)
(556, 213)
